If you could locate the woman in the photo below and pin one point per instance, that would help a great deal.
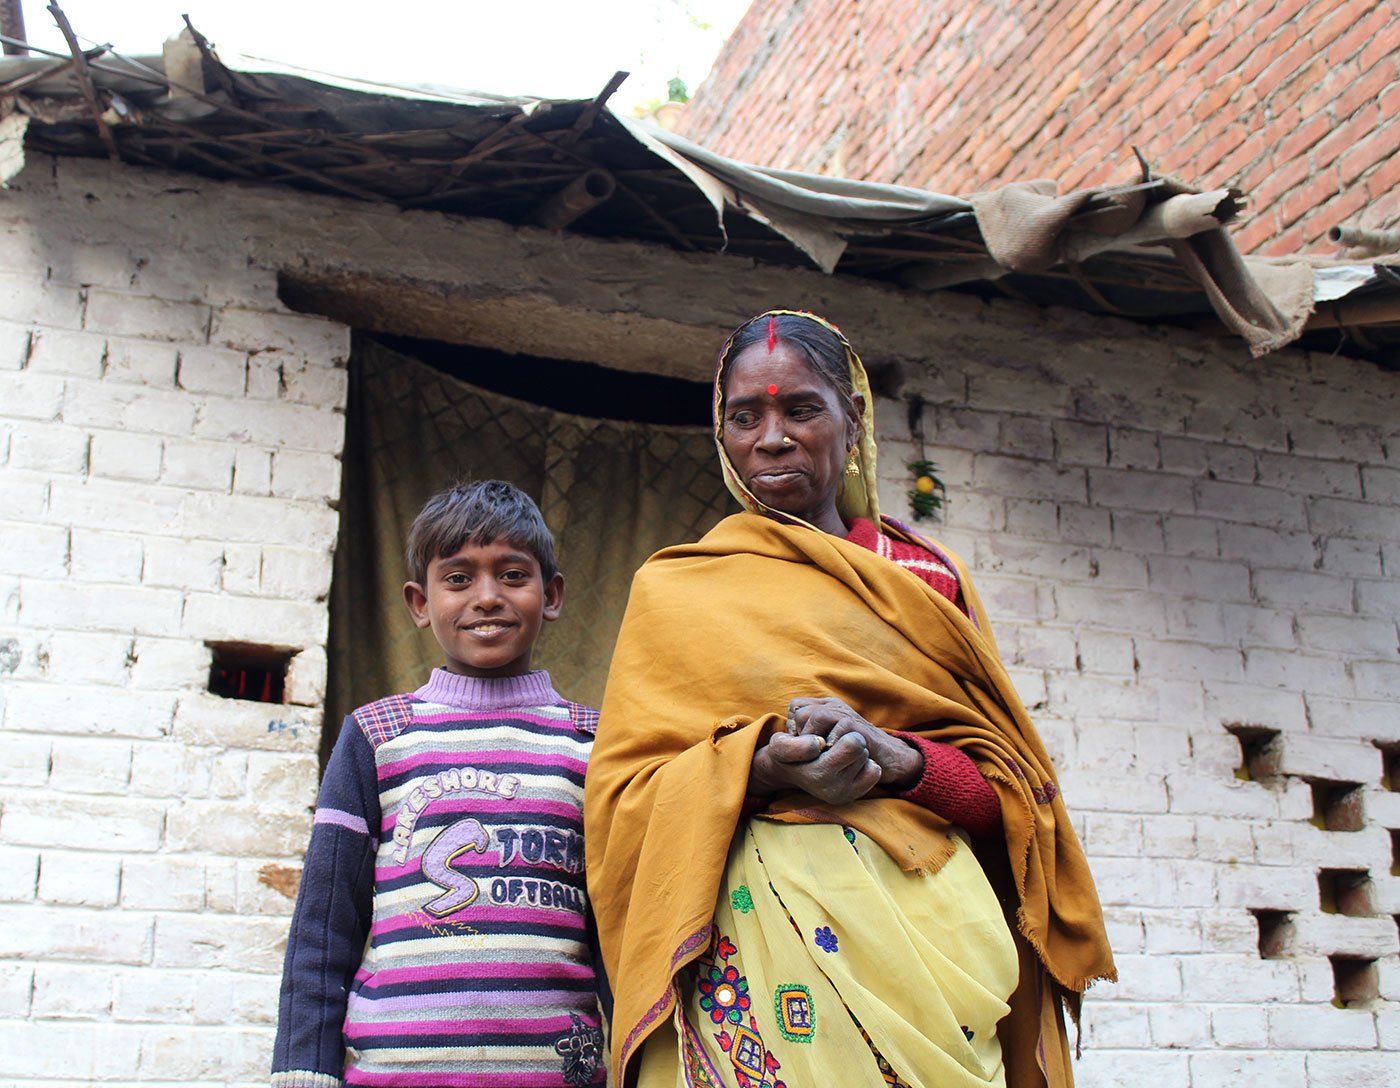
(802, 708)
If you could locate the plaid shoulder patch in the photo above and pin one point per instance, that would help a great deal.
(585, 718)
(384, 719)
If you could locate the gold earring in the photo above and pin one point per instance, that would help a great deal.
(852, 465)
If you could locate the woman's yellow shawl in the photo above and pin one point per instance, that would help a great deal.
(717, 637)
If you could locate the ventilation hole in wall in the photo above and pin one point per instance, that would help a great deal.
(1355, 982)
(243, 670)
(1345, 891)
(1261, 751)
(1275, 933)
(1337, 806)
(1395, 853)
(1390, 766)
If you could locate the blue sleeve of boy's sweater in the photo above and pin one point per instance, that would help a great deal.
(332, 919)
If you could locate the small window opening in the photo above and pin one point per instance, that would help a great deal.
(1345, 891)
(1275, 933)
(1356, 982)
(1390, 767)
(242, 670)
(1395, 853)
(1337, 806)
(1261, 752)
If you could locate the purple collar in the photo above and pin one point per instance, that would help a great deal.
(489, 693)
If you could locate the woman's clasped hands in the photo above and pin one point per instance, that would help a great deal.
(833, 754)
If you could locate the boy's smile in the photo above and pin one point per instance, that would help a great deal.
(485, 604)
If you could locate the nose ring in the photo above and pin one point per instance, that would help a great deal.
(787, 441)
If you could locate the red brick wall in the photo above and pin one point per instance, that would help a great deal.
(1295, 101)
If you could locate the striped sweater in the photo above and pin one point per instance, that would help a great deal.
(440, 938)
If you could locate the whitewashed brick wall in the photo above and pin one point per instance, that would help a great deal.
(1171, 538)
(170, 469)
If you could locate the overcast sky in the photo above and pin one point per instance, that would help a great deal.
(546, 48)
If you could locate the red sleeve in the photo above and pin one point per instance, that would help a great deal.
(954, 788)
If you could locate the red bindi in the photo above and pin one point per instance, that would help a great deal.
(772, 390)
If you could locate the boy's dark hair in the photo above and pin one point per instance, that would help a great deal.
(478, 513)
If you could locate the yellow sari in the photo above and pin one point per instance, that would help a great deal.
(669, 769)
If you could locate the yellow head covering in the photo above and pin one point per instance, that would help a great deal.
(856, 496)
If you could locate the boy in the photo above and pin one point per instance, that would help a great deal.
(449, 836)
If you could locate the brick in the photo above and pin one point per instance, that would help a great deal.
(21, 882)
(28, 394)
(1381, 484)
(16, 989)
(1286, 1070)
(151, 996)
(94, 711)
(95, 556)
(120, 456)
(1355, 1070)
(1375, 679)
(251, 330)
(1194, 536)
(141, 362)
(292, 779)
(182, 564)
(162, 882)
(1177, 1027)
(1253, 627)
(1303, 590)
(62, 992)
(26, 761)
(1080, 443)
(1207, 578)
(219, 942)
(74, 933)
(1294, 669)
(237, 828)
(160, 663)
(83, 765)
(1348, 634)
(146, 318)
(131, 408)
(296, 573)
(1351, 557)
(308, 476)
(83, 880)
(31, 299)
(124, 608)
(1268, 547)
(252, 471)
(1115, 1023)
(58, 351)
(39, 551)
(49, 447)
(1198, 621)
(14, 345)
(212, 370)
(235, 998)
(168, 770)
(90, 1052)
(1139, 491)
(275, 425)
(307, 382)
(204, 1055)
(85, 822)
(202, 719)
(205, 466)
(242, 569)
